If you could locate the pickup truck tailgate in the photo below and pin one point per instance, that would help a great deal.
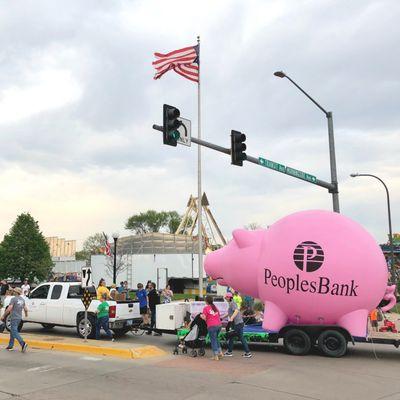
(127, 310)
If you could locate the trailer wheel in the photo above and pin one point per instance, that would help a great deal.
(332, 344)
(297, 342)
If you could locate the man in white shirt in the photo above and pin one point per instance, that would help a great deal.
(25, 288)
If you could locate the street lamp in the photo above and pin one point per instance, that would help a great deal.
(115, 236)
(392, 268)
(332, 156)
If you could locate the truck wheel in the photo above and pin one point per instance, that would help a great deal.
(8, 324)
(91, 326)
(48, 326)
(297, 342)
(121, 332)
(332, 344)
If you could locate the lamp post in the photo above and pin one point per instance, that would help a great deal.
(392, 269)
(115, 236)
(332, 155)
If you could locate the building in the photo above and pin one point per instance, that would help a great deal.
(61, 249)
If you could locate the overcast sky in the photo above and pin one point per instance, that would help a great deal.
(78, 100)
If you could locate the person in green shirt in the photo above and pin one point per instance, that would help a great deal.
(102, 318)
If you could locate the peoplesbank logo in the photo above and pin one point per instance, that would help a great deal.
(308, 256)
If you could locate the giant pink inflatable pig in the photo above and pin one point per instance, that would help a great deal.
(311, 267)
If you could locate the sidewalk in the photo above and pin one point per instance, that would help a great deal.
(122, 349)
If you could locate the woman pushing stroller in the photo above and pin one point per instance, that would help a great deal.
(212, 317)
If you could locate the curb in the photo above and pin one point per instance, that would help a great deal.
(133, 353)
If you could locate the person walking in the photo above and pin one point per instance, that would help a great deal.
(154, 300)
(103, 318)
(17, 305)
(212, 317)
(235, 317)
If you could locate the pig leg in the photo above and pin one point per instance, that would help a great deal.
(274, 318)
(355, 322)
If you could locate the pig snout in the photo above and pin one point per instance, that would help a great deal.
(212, 266)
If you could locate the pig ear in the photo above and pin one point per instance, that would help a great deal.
(244, 238)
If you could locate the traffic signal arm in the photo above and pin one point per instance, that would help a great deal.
(251, 159)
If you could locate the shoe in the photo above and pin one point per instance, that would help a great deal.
(24, 347)
(113, 339)
(214, 358)
(247, 355)
(9, 348)
(228, 354)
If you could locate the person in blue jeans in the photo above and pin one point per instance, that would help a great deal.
(103, 318)
(211, 315)
(235, 318)
(17, 305)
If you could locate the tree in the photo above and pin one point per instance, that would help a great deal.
(174, 219)
(94, 244)
(153, 221)
(24, 252)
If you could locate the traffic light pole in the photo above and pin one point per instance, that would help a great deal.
(255, 160)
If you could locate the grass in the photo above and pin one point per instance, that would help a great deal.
(396, 308)
(183, 296)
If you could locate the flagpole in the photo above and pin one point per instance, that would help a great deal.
(199, 190)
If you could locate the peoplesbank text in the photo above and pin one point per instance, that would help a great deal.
(322, 285)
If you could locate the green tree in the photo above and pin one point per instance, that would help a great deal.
(153, 221)
(24, 252)
(174, 219)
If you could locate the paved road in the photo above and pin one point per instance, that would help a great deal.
(270, 374)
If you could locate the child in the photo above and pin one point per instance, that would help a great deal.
(102, 318)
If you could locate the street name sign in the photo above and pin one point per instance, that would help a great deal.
(287, 170)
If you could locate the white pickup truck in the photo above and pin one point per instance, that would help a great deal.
(60, 304)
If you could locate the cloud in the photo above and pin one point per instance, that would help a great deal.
(77, 102)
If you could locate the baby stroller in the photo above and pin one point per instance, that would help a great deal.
(195, 339)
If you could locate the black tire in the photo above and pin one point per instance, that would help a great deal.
(48, 326)
(80, 326)
(297, 342)
(202, 352)
(118, 333)
(8, 324)
(332, 344)
(193, 353)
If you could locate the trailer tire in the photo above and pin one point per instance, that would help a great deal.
(297, 342)
(332, 343)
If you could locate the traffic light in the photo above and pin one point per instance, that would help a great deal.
(170, 125)
(238, 148)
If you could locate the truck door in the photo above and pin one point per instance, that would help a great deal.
(55, 305)
(37, 304)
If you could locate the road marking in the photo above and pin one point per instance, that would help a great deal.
(43, 368)
(91, 359)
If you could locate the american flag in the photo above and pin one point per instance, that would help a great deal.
(107, 249)
(184, 62)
